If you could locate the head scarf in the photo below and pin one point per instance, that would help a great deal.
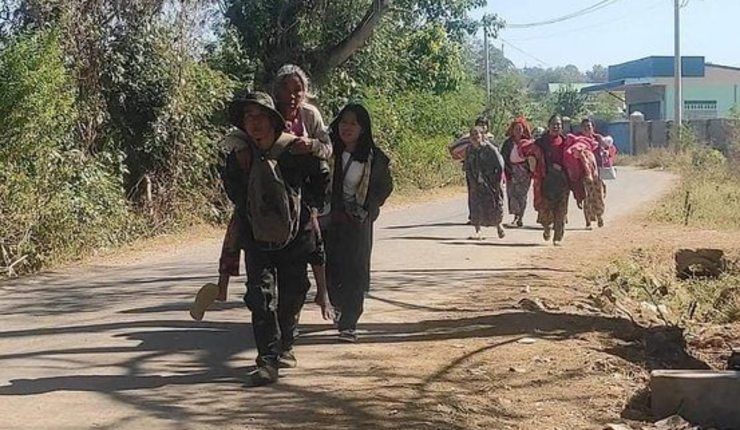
(526, 132)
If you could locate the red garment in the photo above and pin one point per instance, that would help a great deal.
(547, 150)
(296, 127)
(530, 150)
(603, 148)
(572, 161)
(557, 146)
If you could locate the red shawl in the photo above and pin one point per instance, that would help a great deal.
(534, 155)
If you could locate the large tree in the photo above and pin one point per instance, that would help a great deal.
(323, 34)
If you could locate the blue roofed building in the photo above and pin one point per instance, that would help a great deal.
(709, 90)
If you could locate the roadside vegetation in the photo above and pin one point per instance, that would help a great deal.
(110, 119)
(706, 199)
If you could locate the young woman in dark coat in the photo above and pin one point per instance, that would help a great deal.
(361, 183)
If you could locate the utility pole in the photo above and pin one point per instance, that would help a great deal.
(677, 72)
(488, 68)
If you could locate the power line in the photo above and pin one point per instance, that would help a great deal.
(593, 8)
(656, 5)
(516, 48)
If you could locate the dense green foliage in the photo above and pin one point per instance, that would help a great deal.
(417, 127)
(111, 112)
(55, 199)
(568, 102)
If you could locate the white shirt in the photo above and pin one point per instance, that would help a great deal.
(351, 179)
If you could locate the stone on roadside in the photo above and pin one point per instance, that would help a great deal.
(675, 422)
(532, 305)
(617, 427)
(703, 263)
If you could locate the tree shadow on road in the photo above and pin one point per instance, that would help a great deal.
(436, 224)
(189, 356)
(462, 241)
(99, 288)
(182, 371)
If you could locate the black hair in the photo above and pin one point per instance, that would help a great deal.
(483, 120)
(586, 120)
(365, 141)
(553, 118)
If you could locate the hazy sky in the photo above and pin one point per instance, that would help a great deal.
(622, 31)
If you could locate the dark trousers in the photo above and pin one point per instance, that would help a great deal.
(277, 283)
(349, 247)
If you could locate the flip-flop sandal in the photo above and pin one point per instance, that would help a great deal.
(205, 297)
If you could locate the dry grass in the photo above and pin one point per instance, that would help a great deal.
(707, 197)
(647, 277)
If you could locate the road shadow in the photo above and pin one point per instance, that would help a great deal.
(427, 281)
(211, 355)
(100, 288)
(463, 241)
(437, 224)
(183, 306)
(495, 244)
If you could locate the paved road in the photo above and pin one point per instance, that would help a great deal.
(112, 347)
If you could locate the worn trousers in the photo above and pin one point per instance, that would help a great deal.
(349, 250)
(553, 214)
(277, 283)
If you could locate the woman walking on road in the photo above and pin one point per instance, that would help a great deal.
(552, 188)
(484, 171)
(362, 182)
(516, 169)
(594, 188)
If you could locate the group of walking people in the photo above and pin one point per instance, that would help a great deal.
(552, 163)
(304, 194)
(308, 195)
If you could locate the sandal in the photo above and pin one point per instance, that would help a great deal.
(205, 297)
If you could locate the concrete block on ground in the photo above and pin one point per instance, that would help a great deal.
(704, 397)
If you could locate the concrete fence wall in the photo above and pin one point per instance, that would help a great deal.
(645, 135)
(637, 136)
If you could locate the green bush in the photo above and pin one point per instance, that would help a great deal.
(55, 199)
(164, 108)
(417, 127)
